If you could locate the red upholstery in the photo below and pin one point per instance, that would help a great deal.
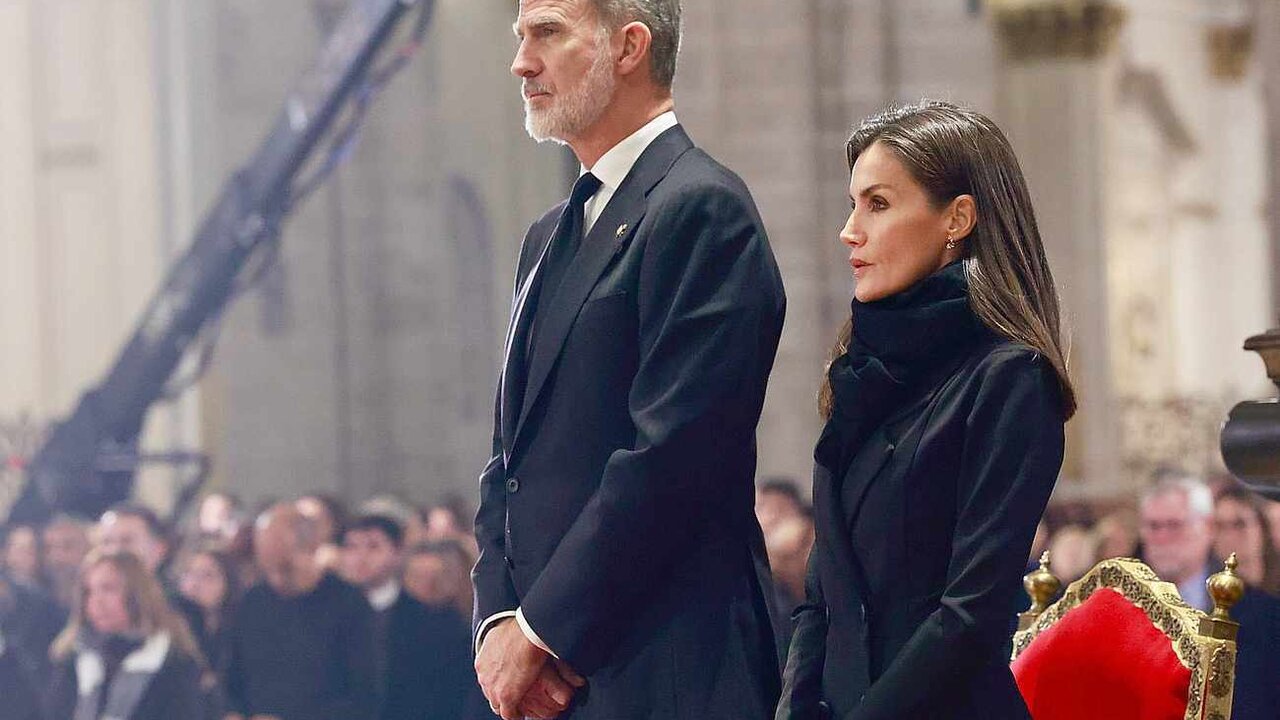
(1103, 659)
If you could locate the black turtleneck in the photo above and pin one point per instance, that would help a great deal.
(900, 346)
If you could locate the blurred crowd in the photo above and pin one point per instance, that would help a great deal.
(308, 609)
(294, 609)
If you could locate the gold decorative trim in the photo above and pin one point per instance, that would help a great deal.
(1205, 657)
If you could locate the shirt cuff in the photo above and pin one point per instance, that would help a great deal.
(488, 624)
(531, 635)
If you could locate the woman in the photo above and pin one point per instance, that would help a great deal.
(23, 556)
(210, 580)
(125, 654)
(1240, 526)
(945, 404)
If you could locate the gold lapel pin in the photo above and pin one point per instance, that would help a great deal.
(622, 230)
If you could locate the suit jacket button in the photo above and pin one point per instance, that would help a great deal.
(513, 485)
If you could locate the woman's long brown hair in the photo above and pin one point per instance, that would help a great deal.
(149, 610)
(953, 151)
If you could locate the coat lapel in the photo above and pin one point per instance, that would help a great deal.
(599, 249)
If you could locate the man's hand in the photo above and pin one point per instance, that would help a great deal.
(551, 693)
(507, 667)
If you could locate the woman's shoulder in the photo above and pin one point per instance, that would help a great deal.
(1003, 368)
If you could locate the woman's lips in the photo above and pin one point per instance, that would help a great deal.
(859, 267)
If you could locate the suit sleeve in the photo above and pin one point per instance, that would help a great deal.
(802, 676)
(709, 304)
(1012, 454)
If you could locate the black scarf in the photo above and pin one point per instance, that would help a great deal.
(899, 346)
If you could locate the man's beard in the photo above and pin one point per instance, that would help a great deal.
(570, 114)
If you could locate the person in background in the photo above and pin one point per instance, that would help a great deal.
(1074, 550)
(131, 528)
(327, 513)
(29, 621)
(788, 544)
(300, 644)
(438, 574)
(220, 518)
(778, 499)
(66, 543)
(18, 697)
(1176, 525)
(423, 653)
(208, 578)
(1240, 526)
(1117, 534)
(22, 558)
(124, 655)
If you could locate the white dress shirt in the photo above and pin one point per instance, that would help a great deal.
(611, 169)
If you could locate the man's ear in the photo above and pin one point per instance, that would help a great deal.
(636, 41)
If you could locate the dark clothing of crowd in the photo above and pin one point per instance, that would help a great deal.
(310, 657)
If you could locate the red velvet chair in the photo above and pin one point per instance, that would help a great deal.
(1121, 644)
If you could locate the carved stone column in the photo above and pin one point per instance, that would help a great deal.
(1053, 100)
(1230, 33)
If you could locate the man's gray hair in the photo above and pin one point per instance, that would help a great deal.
(1199, 496)
(662, 17)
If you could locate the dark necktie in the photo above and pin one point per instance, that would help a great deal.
(568, 237)
(561, 249)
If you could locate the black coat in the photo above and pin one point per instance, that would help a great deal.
(429, 667)
(174, 692)
(19, 699)
(1257, 685)
(617, 508)
(921, 546)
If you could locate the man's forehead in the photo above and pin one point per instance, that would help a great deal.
(564, 10)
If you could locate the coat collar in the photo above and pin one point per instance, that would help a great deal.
(146, 660)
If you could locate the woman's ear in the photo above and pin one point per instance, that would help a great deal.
(962, 216)
(636, 41)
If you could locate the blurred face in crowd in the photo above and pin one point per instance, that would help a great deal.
(66, 542)
(369, 558)
(1176, 542)
(565, 61)
(1236, 530)
(217, 516)
(106, 603)
(285, 554)
(203, 582)
(430, 579)
(442, 524)
(895, 234)
(22, 554)
(130, 533)
(772, 508)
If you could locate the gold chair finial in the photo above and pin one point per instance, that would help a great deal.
(1041, 585)
(1225, 588)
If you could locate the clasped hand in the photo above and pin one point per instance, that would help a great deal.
(520, 679)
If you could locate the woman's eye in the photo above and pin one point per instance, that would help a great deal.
(878, 204)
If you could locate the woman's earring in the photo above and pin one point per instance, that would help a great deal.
(951, 242)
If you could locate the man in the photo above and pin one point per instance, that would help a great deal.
(424, 660)
(301, 643)
(621, 570)
(1176, 528)
(66, 542)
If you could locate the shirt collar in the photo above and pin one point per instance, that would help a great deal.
(384, 597)
(614, 166)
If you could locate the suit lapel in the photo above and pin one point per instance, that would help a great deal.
(516, 329)
(599, 248)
